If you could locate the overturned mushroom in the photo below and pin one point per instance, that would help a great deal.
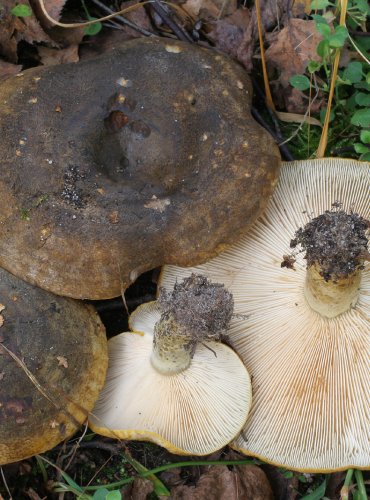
(53, 359)
(112, 166)
(304, 334)
(169, 381)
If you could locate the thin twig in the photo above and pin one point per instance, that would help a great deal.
(123, 20)
(284, 150)
(163, 13)
(5, 483)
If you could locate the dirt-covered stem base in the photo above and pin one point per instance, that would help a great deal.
(331, 298)
(196, 310)
(173, 347)
(336, 248)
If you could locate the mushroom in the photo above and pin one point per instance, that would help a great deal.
(53, 359)
(304, 333)
(116, 165)
(169, 381)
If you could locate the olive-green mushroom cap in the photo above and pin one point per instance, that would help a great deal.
(115, 165)
(53, 360)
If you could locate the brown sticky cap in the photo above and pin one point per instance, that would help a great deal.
(154, 158)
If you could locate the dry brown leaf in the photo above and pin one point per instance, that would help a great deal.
(272, 14)
(8, 30)
(53, 8)
(227, 33)
(289, 53)
(31, 493)
(293, 49)
(31, 30)
(209, 9)
(51, 57)
(13, 29)
(301, 7)
(139, 489)
(246, 482)
(138, 16)
(8, 69)
(297, 118)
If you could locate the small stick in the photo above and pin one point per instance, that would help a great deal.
(284, 150)
(123, 20)
(166, 18)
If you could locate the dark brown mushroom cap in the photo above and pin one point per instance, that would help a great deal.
(112, 166)
(53, 359)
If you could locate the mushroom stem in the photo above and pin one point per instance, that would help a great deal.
(331, 298)
(173, 347)
(336, 247)
(195, 311)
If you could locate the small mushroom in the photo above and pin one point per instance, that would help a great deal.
(116, 165)
(304, 333)
(169, 381)
(53, 359)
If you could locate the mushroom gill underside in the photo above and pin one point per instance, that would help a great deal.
(196, 411)
(311, 384)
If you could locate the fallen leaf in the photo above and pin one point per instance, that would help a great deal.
(139, 489)
(51, 56)
(1, 320)
(301, 7)
(294, 47)
(8, 69)
(272, 12)
(246, 482)
(31, 493)
(53, 8)
(289, 54)
(297, 118)
(209, 9)
(227, 33)
(62, 361)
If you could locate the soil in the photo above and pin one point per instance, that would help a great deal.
(336, 241)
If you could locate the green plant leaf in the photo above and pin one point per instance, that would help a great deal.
(361, 118)
(100, 494)
(93, 29)
(71, 483)
(361, 148)
(317, 494)
(300, 82)
(323, 49)
(313, 66)
(320, 4)
(323, 29)
(338, 38)
(323, 113)
(21, 10)
(365, 157)
(362, 99)
(114, 495)
(319, 19)
(353, 72)
(365, 136)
